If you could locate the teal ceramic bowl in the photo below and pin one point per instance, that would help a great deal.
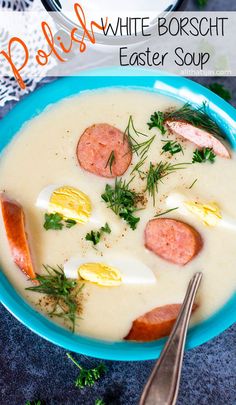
(177, 87)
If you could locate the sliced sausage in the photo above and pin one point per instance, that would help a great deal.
(172, 240)
(155, 324)
(104, 150)
(14, 222)
(198, 136)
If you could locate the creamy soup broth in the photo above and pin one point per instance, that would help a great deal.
(43, 153)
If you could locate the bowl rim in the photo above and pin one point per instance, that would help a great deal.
(30, 107)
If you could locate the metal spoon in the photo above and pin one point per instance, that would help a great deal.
(163, 384)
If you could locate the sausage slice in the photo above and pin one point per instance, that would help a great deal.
(104, 150)
(155, 324)
(172, 240)
(200, 137)
(14, 221)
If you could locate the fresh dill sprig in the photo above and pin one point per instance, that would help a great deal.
(95, 236)
(172, 147)
(166, 212)
(64, 292)
(197, 117)
(201, 156)
(156, 173)
(139, 148)
(191, 186)
(138, 166)
(142, 148)
(122, 200)
(87, 377)
(221, 91)
(157, 121)
(111, 160)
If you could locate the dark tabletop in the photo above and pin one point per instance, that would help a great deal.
(32, 368)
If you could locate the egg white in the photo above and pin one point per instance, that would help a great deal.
(132, 271)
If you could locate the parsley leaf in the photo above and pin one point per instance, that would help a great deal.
(106, 228)
(221, 91)
(87, 377)
(173, 147)
(53, 221)
(94, 237)
(122, 201)
(201, 156)
(157, 121)
(70, 223)
(99, 402)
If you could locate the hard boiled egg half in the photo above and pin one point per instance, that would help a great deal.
(67, 201)
(109, 271)
(72, 203)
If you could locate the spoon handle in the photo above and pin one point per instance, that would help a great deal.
(163, 383)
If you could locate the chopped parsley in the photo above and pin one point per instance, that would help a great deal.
(55, 221)
(157, 121)
(172, 147)
(70, 222)
(221, 91)
(201, 156)
(99, 402)
(123, 201)
(87, 377)
(95, 236)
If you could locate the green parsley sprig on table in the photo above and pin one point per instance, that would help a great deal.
(87, 377)
(95, 236)
(122, 200)
(203, 155)
(63, 291)
(55, 221)
(34, 403)
(201, 3)
(99, 402)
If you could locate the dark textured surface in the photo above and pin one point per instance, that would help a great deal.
(31, 368)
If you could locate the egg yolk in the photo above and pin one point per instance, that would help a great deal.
(71, 204)
(101, 274)
(209, 214)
